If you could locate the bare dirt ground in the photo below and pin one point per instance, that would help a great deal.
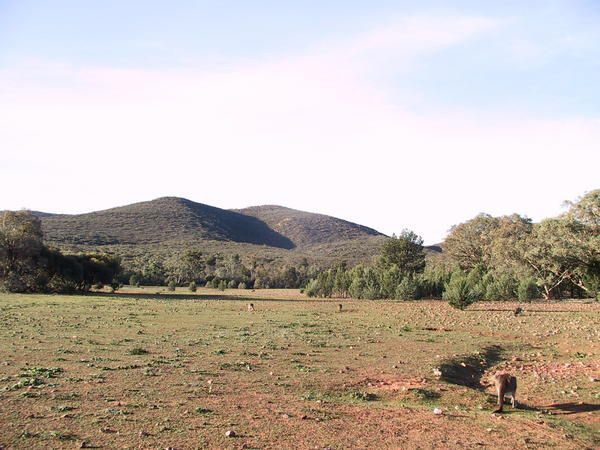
(151, 369)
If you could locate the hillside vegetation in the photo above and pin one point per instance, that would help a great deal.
(162, 220)
(307, 229)
(170, 225)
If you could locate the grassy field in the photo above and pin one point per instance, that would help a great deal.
(179, 370)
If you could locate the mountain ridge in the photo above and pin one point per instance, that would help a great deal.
(170, 219)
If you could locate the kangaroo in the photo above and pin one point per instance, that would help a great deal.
(518, 310)
(250, 307)
(340, 307)
(506, 386)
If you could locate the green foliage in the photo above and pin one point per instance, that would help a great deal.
(134, 280)
(26, 265)
(405, 252)
(312, 288)
(192, 286)
(407, 289)
(172, 285)
(499, 287)
(459, 292)
(527, 289)
(21, 250)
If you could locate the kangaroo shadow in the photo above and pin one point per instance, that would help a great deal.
(573, 408)
(520, 406)
(468, 370)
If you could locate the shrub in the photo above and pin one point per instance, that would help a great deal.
(134, 280)
(222, 285)
(502, 287)
(312, 288)
(527, 290)
(172, 285)
(407, 289)
(192, 286)
(459, 292)
(242, 285)
(232, 284)
(357, 287)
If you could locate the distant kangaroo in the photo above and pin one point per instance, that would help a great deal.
(518, 310)
(340, 307)
(506, 386)
(250, 307)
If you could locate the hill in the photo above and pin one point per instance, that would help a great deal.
(162, 220)
(167, 225)
(307, 229)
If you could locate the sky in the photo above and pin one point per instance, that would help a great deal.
(392, 114)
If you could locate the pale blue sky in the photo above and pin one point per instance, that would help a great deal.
(449, 91)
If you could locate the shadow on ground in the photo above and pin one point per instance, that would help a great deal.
(468, 370)
(197, 297)
(573, 408)
(524, 311)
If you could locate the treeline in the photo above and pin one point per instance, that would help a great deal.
(489, 258)
(195, 268)
(485, 258)
(400, 272)
(27, 265)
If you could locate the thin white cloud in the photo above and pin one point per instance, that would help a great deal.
(310, 132)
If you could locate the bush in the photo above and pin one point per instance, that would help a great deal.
(134, 280)
(242, 285)
(312, 288)
(232, 284)
(222, 285)
(407, 289)
(172, 285)
(527, 290)
(502, 287)
(459, 291)
(192, 286)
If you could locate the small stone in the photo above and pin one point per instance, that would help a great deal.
(438, 411)
(489, 430)
(230, 434)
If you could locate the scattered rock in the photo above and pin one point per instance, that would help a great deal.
(230, 434)
(438, 411)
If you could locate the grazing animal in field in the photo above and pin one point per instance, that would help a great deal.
(518, 310)
(250, 307)
(506, 386)
(340, 307)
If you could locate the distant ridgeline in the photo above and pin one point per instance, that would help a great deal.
(178, 242)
